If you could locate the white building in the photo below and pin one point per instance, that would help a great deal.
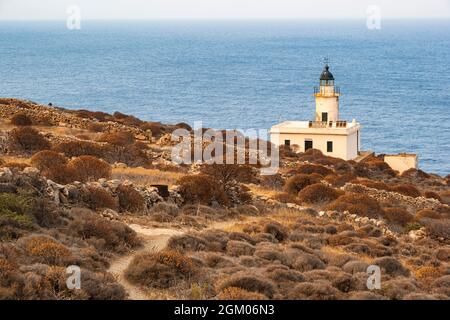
(327, 133)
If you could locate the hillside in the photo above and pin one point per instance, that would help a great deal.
(99, 191)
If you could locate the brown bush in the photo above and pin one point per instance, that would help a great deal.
(250, 283)
(127, 119)
(229, 172)
(286, 198)
(15, 165)
(21, 119)
(439, 229)
(28, 139)
(78, 148)
(338, 180)
(277, 230)
(46, 250)
(156, 128)
(160, 269)
(298, 182)
(47, 159)
(114, 236)
(274, 181)
(358, 204)
(312, 168)
(202, 189)
(432, 195)
(398, 216)
(407, 190)
(130, 199)
(89, 168)
(373, 184)
(319, 290)
(96, 127)
(233, 293)
(62, 174)
(427, 213)
(318, 193)
(391, 266)
(98, 198)
(117, 138)
(239, 248)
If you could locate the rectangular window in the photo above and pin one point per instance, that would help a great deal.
(308, 144)
(324, 116)
(329, 146)
(287, 143)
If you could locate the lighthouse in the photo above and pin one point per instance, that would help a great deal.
(327, 132)
(327, 98)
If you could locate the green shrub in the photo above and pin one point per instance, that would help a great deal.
(15, 211)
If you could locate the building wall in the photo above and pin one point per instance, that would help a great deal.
(344, 147)
(402, 162)
(329, 105)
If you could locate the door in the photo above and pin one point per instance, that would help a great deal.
(308, 144)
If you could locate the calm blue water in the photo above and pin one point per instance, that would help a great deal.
(395, 81)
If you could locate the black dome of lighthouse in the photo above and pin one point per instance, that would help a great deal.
(326, 74)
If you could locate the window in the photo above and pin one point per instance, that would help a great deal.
(308, 144)
(325, 116)
(329, 146)
(287, 143)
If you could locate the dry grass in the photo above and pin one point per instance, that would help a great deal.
(146, 177)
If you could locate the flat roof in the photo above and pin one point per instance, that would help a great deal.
(303, 127)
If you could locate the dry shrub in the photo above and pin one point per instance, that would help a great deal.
(96, 127)
(358, 204)
(117, 138)
(250, 283)
(443, 254)
(286, 198)
(274, 181)
(89, 168)
(239, 248)
(98, 198)
(234, 293)
(298, 182)
(427, 272)
(187, 242)
(306, 262)
(156, 128)
(229, 172)
(15, 165)
(279, 275)
(378, 164)
(445, 196)
(160, 269)
(62, 174)
(373, 184)
(432, 195)
(439, 229)
(104, 234)
(319, 290)
(46, 250)
(78, 148)
(318, 193)
(130, 199)
(312, 168)
(21, 119)
(338, 180)
(415, 173)
(277, 230)
(427, 213)
(391, 266)
(398, 216)
(407, 190)
(28, 139)
(127, 119)
(47, 159)
(202, 189)
(46, 213)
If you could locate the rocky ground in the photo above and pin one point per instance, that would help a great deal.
(99, 191)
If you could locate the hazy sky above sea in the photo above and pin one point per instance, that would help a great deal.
(220, 9)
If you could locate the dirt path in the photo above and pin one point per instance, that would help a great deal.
(153, 239)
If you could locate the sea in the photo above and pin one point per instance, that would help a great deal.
(244, 74)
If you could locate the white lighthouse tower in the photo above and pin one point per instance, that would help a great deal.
(327, 132)
(327, 98)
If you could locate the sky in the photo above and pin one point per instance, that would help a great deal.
(221, 9)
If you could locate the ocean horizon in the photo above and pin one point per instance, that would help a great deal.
(242, 74)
